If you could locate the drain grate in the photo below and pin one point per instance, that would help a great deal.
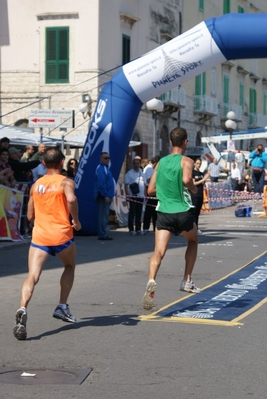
(43, 376)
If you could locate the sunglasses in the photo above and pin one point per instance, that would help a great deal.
(106, 157)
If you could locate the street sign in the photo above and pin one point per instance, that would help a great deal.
(52, 118)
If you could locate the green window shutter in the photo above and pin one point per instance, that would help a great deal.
(265, 104)
(201, 5)
(198, 85)
(126, 49)
(203, 75)
(252, 101)
(57, 55)
(240, 10)
(226, 89)
(241, 95)
(226, 6)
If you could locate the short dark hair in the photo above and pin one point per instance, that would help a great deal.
(3, 150)
(155, 159)
(4, 140)
(177, 136)
(52, 157)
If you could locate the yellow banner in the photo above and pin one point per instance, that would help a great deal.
(11, 202)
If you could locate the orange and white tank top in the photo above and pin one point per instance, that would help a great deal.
(52, 224)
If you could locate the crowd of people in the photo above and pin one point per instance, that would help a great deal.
(26, 165)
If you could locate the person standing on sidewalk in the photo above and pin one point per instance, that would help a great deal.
(135, 189)
(172, 182)
(259, 158)
(151, 203)
(104, 192)
(199, 180)
(52, 201)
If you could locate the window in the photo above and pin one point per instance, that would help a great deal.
(241, 95)
(200, 89)
(126, 47)
(201, 5)
(265, 103)
(213, 82)
(252, 106)
(225, 94)
(57, 55)
(240, 9)
(226, 6)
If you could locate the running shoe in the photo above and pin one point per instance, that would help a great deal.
(148, 299)
(189, 286)
(19, 329)
(64, 314)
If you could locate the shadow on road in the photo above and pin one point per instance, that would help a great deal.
(99, 321)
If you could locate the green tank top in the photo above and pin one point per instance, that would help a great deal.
(173, 196)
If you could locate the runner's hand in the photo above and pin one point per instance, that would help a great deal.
(77, 226)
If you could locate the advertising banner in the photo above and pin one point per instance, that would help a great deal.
(10, 213)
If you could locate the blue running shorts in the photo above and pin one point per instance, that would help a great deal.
(53, 249)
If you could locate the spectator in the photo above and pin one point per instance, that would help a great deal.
(235, 177)
(19, 167)
(135, 188)
(151, 203)
(259, 158)
(72, 167)
(214, 170)
(197, 198)
(28, 153)
(6, 172)
(247, 177)
(39, 171)
(37, 156)
(104, 191)
(239, 161)
(4, 142)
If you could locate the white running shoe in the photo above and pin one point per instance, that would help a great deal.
(19, 329)
(148, 298)
(189, 286)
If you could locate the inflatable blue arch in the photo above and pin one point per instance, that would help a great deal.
(229, 37)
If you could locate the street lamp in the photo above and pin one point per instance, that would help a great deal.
(154, 106)
(230, 124)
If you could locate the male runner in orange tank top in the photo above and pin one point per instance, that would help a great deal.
(52, 201)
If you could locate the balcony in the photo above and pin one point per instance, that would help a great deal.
(257, 120)
(237, 109)
(173, 99)
(206, 105)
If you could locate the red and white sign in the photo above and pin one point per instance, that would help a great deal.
(52, 118)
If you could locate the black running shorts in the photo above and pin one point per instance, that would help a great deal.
(175, 222)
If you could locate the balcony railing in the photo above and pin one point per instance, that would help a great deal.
(206, 105)
(257, 120)
(225, 108)
(176, 96)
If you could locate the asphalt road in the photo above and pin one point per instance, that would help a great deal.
(131, 358)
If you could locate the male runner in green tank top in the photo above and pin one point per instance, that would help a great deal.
(172, 182)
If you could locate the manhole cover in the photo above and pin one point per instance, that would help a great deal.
(43, 376)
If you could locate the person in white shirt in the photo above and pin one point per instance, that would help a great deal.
(151, 203)
(135, 188)
(235, 177)
(239, 160)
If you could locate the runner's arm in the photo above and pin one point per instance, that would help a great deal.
(68, 188)
(188, 165)
(30, 208)
(151, 190)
